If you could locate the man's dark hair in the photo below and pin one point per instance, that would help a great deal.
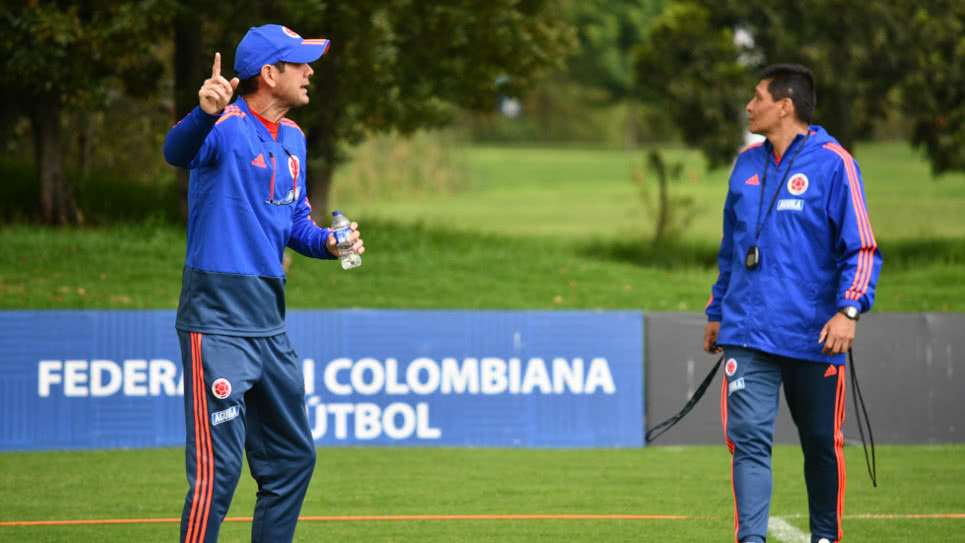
(795, 82)
(250, 85)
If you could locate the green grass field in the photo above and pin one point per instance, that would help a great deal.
(693, 482)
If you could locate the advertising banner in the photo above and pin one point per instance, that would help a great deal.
(104, 379)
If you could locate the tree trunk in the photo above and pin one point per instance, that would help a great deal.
(188, 76)
(57, 203)
(85, 137)
(321, 168)
(663, 198)
(840, 119)
(321, 145)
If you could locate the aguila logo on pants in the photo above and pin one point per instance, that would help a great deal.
(221, 388)
(731, 367)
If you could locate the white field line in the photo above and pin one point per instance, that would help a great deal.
(889, 516)
(783, 531)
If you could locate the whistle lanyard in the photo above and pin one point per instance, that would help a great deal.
(770, 207)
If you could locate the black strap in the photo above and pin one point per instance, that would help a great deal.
(856, 394)
(860, 415)
(658, 430)
(770, 207)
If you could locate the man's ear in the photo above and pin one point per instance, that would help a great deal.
(787, 107)
(268, 76)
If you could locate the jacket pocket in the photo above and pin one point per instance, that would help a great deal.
(792, 308)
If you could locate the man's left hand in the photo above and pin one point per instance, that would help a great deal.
(838, 334)
(357, 244)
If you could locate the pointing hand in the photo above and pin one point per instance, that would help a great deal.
(216, 92)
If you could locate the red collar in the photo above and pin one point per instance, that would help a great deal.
(272, 127)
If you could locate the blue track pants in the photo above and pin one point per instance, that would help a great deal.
(244, 395)
(749, 403)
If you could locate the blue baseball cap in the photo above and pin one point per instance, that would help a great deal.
(268, 44)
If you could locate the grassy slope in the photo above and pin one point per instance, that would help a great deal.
(540, 228)
(588, 194)
(415, 267)
(691, 481)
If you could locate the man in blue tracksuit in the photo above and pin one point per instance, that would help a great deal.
(247, 201)
(798, 265)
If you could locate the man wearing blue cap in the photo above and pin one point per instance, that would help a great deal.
(247, 201)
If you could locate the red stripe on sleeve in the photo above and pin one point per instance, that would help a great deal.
(862, 276)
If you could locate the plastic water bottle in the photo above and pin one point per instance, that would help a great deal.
(342, 227)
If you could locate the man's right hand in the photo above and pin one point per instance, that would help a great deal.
(711, 331)
(216, 92)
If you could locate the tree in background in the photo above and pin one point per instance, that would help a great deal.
(590, 98)
(609, 32)
(58, 57)
(933, 88)
(671, 213)
(403, 65)
(189, 69)
(690, 66)
(861, 53)
(395, 65)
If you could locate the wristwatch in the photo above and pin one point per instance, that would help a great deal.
(851, 312)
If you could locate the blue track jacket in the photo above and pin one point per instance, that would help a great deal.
(246, 202)
(817, 251)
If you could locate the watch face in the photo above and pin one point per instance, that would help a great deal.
(851, 312)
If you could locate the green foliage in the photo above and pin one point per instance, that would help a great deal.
(590, 100)
(19, 193)
(75, 50)
(106, 197)
(860, 53)
(57, 57)
(608, 32)
(855, 64)
(690, 65)
(404, 65)
(934, 85)
(394, 65)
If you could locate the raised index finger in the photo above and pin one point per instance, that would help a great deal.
(216, 67)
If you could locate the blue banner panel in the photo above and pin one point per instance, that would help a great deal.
(102, 379)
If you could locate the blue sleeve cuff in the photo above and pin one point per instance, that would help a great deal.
(850, 303)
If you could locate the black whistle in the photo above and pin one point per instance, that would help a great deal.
(753, 258)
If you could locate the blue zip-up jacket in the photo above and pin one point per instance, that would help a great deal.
(246, 202)
(817, 250)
